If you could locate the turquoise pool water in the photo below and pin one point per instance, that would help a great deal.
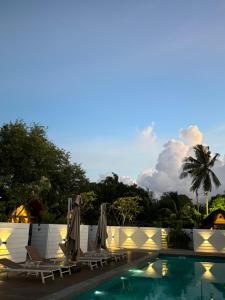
(166, 278)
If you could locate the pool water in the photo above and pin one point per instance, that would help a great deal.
(166, 278)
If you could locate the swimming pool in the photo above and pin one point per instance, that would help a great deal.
(166, 278)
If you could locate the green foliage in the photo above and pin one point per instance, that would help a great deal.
(178, 238)
(217, 203)
(32, 167)
(150, 209)
(127, 208)
(174, 209)
(88, 208)
(34, 170)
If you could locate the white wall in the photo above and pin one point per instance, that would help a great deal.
(207, 240)
(114, 237)
(16, 238)
(39, 238)
(92, 230)
(46, 238)
(148, 238)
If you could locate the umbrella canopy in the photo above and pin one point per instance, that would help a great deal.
(101, 234)
(73, 232)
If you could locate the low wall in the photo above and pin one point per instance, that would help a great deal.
(207, 240)
(144, 238)
(13, 239)
(47, 237)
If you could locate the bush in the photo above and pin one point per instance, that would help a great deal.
(178, 238)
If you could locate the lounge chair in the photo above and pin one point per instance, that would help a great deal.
(10, 266)
(103, 258)
(36, 259)
(105, 254)
(115, 255)
(92, 262)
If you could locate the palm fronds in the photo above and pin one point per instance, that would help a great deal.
(199, 169)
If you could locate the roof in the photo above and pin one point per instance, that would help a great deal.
(215, 217)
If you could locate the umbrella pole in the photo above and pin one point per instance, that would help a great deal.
(69, 211)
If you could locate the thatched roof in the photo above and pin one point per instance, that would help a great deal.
(217, 217)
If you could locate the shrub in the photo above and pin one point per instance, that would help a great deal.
(178, 238)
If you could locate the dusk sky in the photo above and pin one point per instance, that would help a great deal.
(114, 81)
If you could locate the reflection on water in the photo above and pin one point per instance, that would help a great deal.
(167, 278)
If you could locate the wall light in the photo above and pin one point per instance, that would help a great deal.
(113, 237)
(63, 241)
(2, 242)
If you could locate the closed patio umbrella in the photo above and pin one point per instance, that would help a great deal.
(73, 232)
(101, 234)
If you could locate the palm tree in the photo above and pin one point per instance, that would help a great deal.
(199, 168)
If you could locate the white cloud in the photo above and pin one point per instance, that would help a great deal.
(168, 168)
(191, 135)
(158, 166)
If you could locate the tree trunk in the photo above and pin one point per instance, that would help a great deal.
(206, 203)
(197, 201)
(124, 220)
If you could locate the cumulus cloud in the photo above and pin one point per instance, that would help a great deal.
(161, 164)
(191, 135)
(165, 177)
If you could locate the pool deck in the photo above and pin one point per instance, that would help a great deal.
(21, 288)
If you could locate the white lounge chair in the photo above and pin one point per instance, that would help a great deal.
(36, 259)
(10, 266)
(92, 262)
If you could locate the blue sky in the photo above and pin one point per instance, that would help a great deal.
(97, 73)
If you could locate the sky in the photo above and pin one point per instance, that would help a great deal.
(116, 81)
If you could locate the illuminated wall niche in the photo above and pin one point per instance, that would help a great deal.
(113, 240)
(153, 239)
(207, 240)
(126, 237)
(5, 233)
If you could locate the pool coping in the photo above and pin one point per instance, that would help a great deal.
(78, 288)
(186, 252)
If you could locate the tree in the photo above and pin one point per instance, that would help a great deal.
(150, 209)
(199, 168)
(89, 215)
(217, 202)
(127, 208)
(110, 189)
(31, 167)
(174, 209)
